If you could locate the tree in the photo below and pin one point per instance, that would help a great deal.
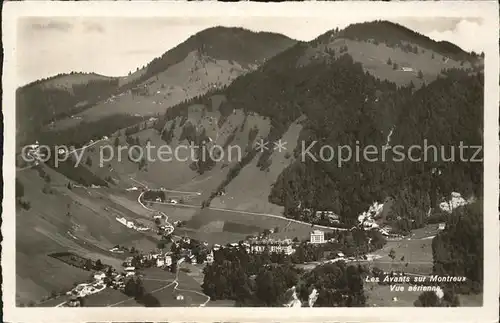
(88, 264)
(392, 255)
(420, 74)
(89, 161)
(98, 265)
(130, 288)
(389, 62)
(427, 299)
(142, 163)
(26, 205)
(150, 301)
(395, 66)
(458, 250)
(269, 288)
(19, 189)
(450, 299)
(47, 189)
(134, 288)
(117, 141)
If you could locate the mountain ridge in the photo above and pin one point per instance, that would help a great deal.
(32, 99)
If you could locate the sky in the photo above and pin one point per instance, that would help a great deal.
(114, 46)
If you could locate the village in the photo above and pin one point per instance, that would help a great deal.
(185, 250)
(178, 250)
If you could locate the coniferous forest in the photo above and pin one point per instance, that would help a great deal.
(445, 113)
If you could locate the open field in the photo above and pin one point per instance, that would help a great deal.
(167, 298)
(66, 221)
(249, 191)
(374, 59)
(107, 297)
(417, 253)
(188, 78)
(223, 226)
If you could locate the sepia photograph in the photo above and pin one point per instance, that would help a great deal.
(284, 161)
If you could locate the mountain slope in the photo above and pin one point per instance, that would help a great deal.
(340, 100)
(46, 100)
(208, 60)
(346, 101)
(65, 220)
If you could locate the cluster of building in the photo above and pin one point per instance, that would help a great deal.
(118, 249)
(367, 218)
(330, 216)
(186, 253)
(260, 245)
(163, 229)
(160, 259)
(171, 201)
(131, 225)
(368, 221)
(33, 151)
(85, 289)
(455, 201)
(257, 245)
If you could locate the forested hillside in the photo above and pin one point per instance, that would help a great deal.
(266, 279)
(444, 113)
(458, 250)
(344, 104)
(395, 35)
(232, 44)
(46, 100)
(209, 59)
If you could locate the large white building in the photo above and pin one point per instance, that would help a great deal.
(317, 236)
(273, 246)
(210, 257)
(454, 202)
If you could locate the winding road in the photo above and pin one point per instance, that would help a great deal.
(171, 230)
(229, 210)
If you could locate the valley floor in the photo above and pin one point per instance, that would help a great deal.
(93, 229)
